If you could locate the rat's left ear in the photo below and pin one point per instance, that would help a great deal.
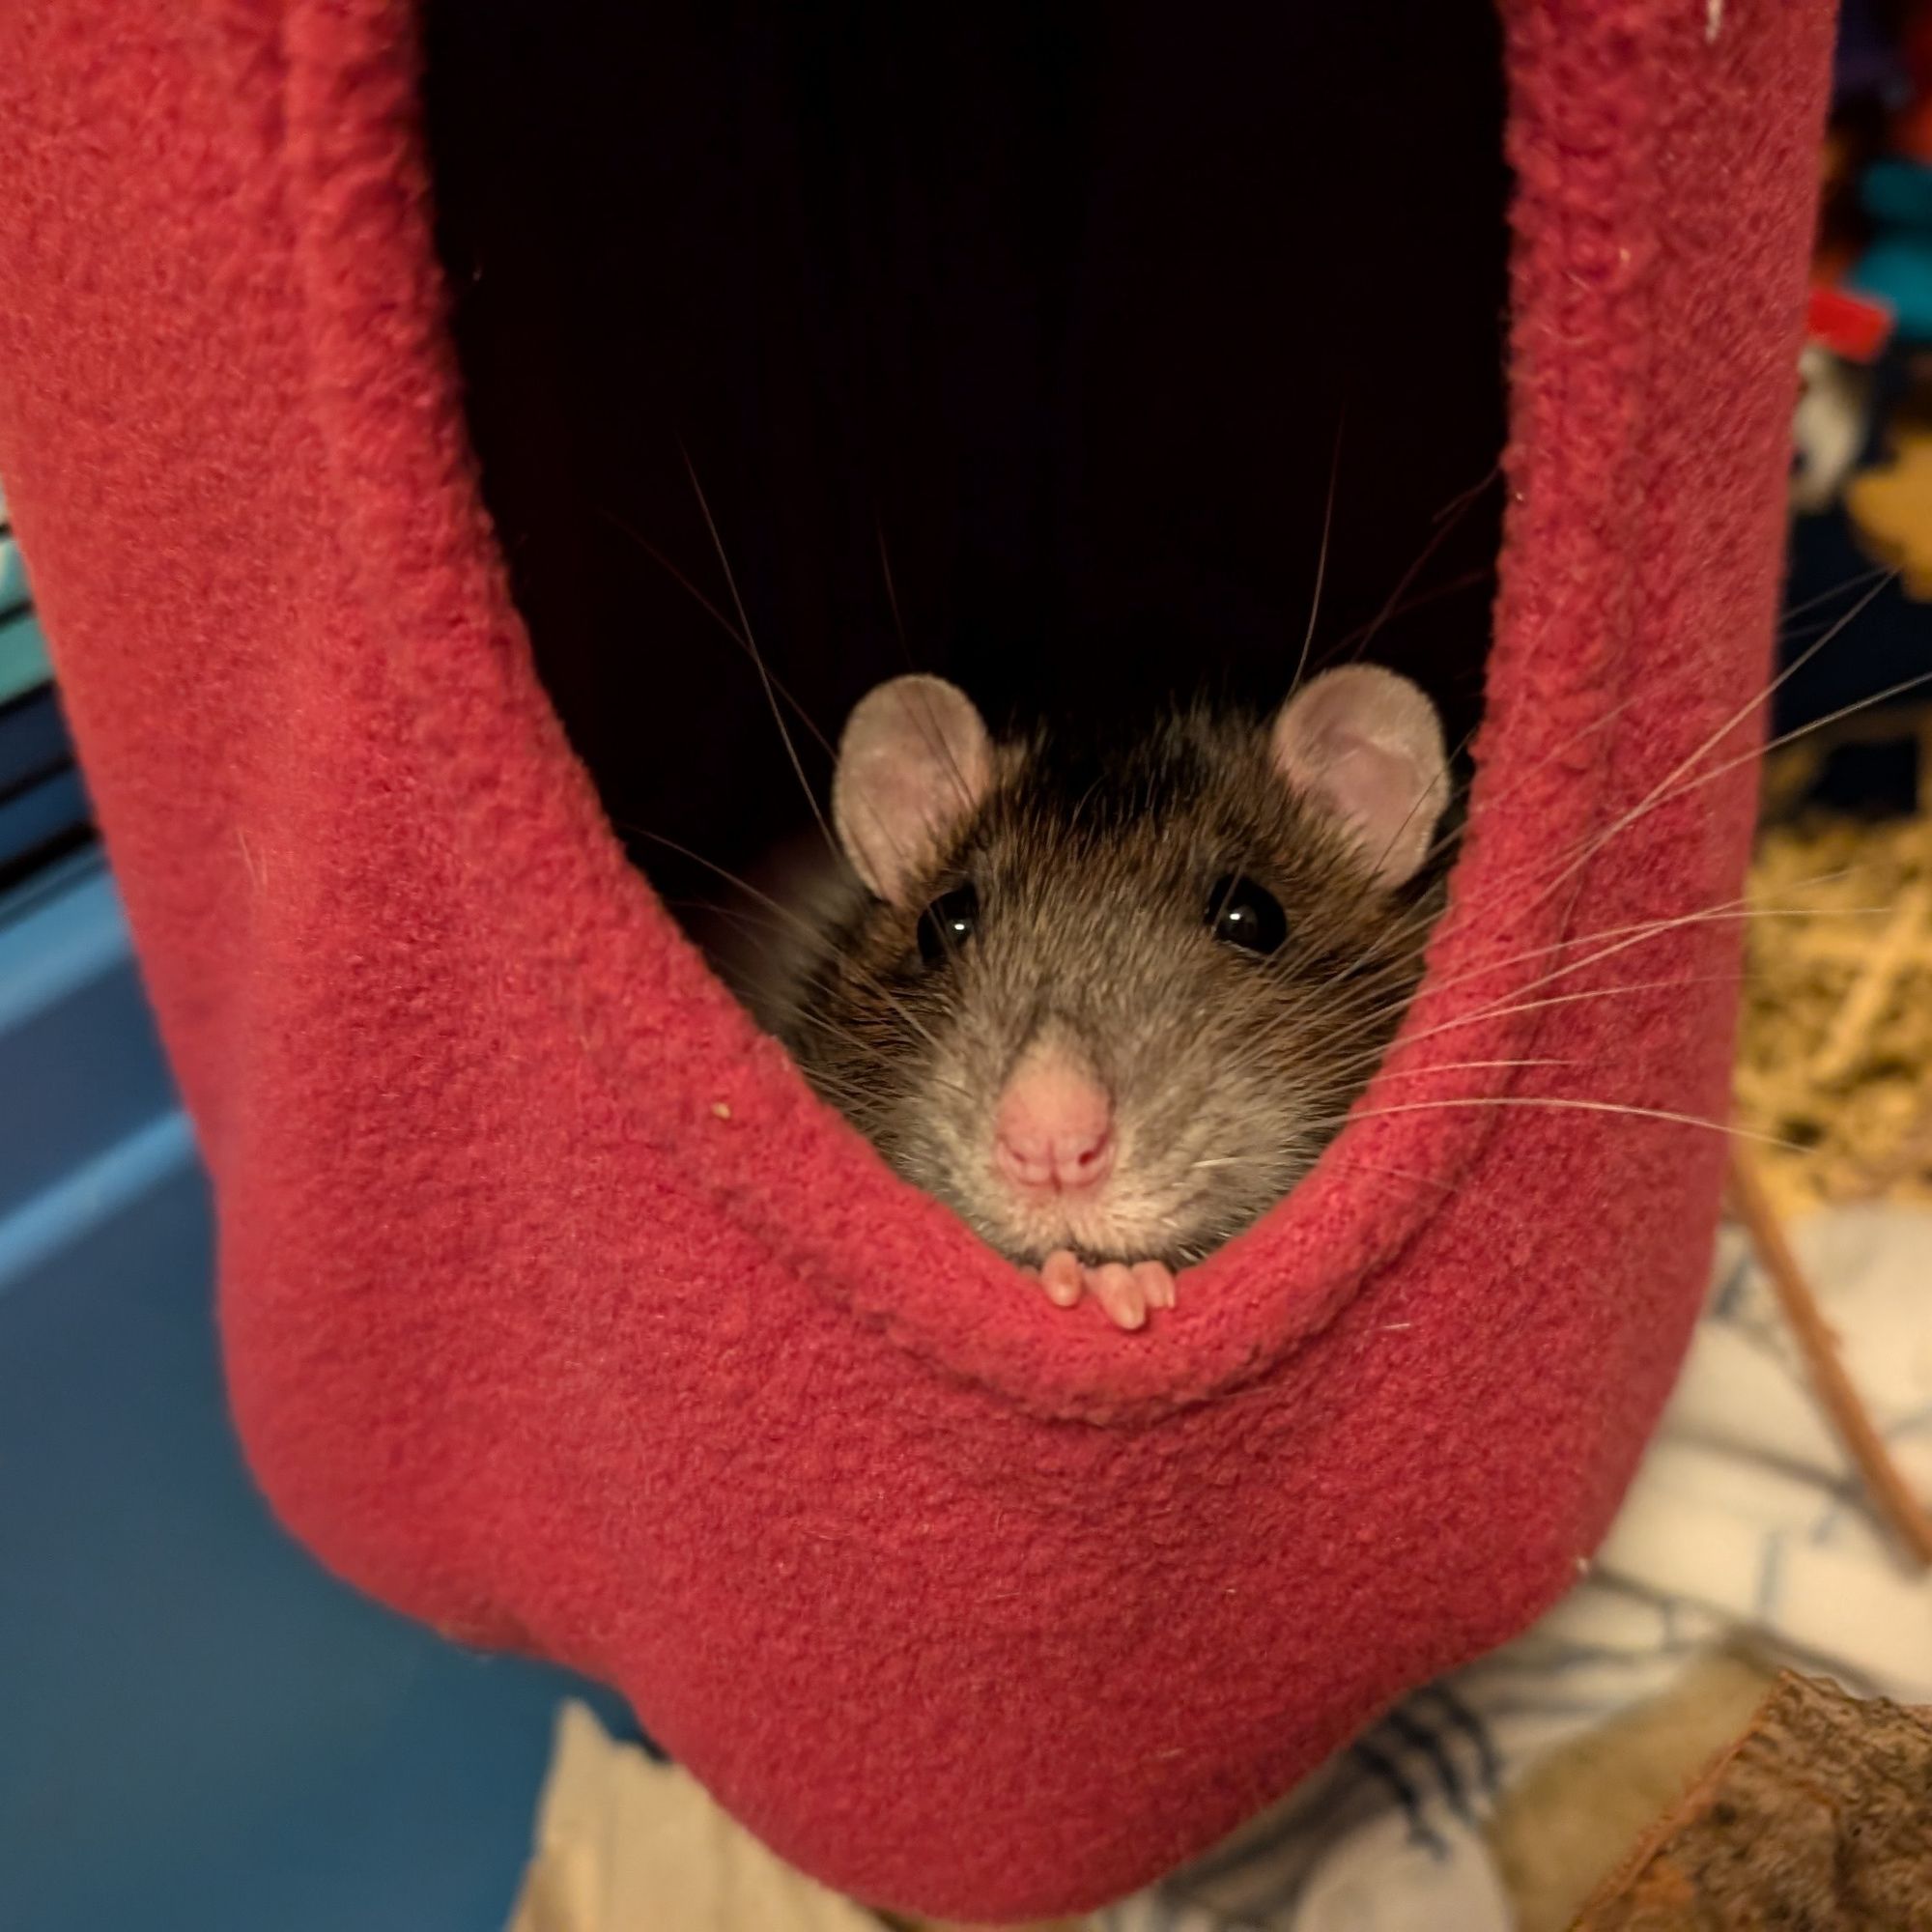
(1366, 745)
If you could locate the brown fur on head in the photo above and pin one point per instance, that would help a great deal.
(1084, 893)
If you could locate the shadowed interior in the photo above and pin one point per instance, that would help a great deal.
(1069, 308)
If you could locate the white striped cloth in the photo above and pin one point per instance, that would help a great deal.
(1746, 1516)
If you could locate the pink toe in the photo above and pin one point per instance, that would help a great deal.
(1156, 1282)
(1062, 1277)
(1118, 1293)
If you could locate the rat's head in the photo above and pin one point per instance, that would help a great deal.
(1116, 996)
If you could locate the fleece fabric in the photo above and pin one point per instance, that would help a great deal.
(556, 1312)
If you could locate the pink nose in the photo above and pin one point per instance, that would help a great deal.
(1054, 1130)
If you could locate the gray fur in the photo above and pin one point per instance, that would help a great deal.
(1094, 868)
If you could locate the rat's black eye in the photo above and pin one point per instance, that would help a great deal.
(1241, 913)
(947, 924)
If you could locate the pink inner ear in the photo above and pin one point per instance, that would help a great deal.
(1368, 745)
(913, 765)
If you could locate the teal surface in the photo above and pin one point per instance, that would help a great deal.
(23, 657)
(23, 649)
(199, 1730)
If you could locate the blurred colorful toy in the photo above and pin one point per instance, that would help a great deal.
(1895, 267)
(1829, 428)
(1890, 506)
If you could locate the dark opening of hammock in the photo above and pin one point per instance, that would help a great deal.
(1023, 344)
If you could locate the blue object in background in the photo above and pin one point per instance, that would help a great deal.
(1896, 268)
(199, 1730)
(23, 650)
(44, 808)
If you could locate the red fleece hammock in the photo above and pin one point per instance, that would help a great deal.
(558, 1315)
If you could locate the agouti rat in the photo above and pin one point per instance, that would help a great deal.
(1109, 999)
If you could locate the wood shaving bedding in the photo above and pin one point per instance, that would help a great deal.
(1835, 1043)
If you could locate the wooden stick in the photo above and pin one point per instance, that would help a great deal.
(1888, 955)
(1815, 1816)
(1893, 1496)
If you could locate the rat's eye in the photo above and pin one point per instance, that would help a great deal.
(1241, 913)
(947, 924)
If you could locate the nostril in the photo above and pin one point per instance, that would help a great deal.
(1091, 1157)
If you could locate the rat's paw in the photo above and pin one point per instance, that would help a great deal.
(1126, 1293)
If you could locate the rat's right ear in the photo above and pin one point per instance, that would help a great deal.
(913, 765)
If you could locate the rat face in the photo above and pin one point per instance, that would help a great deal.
(1114, 998)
